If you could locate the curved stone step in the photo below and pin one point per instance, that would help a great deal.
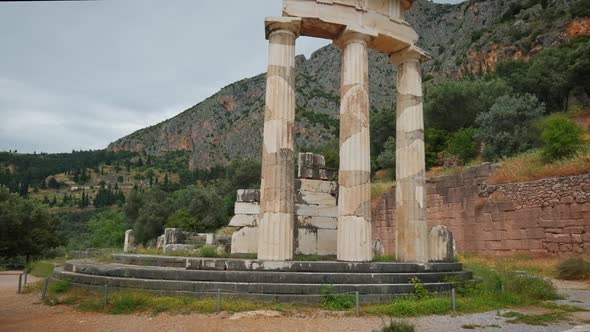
(235, 264)
(167, 273)
(241, 287)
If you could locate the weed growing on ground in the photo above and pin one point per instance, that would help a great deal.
(477, 326)
(59, 287)
(574, 269)
(398, 326)
(419, 289)
(331, 301)
(385, 258)
(532, 319)
(490, 290)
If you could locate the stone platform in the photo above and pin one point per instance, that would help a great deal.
(293, 281)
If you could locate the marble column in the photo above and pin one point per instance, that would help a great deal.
(276, 229)
(410, 210)
(354, 176)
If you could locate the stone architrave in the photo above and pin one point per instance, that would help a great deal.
(410, 171)
(276, 230)
(129, 245)
(354, 176)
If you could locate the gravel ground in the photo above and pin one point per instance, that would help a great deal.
(26, 313)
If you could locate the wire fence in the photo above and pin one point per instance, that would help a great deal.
(220, 294)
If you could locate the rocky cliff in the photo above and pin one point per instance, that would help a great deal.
(467, 38)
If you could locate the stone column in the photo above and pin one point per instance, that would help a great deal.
(410, 210)
(354, 176)
(275, 233)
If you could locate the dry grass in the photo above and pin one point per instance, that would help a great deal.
(530, 167)
(379, 188)
(546, 266)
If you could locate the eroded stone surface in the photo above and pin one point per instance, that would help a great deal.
(441, 245)
(129, 244)
(245, 241)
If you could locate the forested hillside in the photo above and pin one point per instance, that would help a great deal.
(466, 40)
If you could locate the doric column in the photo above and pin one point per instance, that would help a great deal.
(354, 177)
(275, 232)
(410, 210)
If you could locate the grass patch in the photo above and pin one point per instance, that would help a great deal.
(60, 287)
(313, 258)
(379, 188)
(531, 166)
(490, 290)
(532, 319)
(398, 326)
(41, 269)
(545, 266)
(384, 258)
(574, 269)
(129, 302)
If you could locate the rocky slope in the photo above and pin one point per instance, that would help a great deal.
(464, 39)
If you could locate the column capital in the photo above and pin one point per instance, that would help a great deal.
(351, 35)
(411, 53)
(292, 24)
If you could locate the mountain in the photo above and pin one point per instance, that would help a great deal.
(465, 39)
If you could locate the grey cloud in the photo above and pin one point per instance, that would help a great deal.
(78, 75)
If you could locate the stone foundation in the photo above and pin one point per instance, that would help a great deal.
(315, 212)
(548, 216)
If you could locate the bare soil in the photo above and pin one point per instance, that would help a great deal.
(26, 313)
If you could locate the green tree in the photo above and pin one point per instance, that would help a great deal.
(184, 220)
(436, 141)
(452, 105)
(386, 160)
(560, 137)
(26, 228)
(107, 229)
(508, 128)
(464, 144)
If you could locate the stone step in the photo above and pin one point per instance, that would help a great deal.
(166, 273)
(241, 287)
(235, 264)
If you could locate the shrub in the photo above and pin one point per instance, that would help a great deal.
(463, 144)
(580, 8)
(331, 301)
(574, 269)
(560, 137)
(386, 158)
(208, 251)
(507, 128)
(398, 326)
(61, 286)
(419, 289)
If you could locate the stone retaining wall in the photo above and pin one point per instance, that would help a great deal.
(548, 216)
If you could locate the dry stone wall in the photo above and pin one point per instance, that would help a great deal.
(548, 216)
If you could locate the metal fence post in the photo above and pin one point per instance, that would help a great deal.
(356, 300)
(453, 301)
(20, 280)
(45, 284)
(218, 300)
(106, 293)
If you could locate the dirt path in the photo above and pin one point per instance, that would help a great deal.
(26, 313)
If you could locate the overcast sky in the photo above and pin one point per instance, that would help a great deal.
(79, 75)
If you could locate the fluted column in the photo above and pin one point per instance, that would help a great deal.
(410, 209)
(354, 176)
(275, 232)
